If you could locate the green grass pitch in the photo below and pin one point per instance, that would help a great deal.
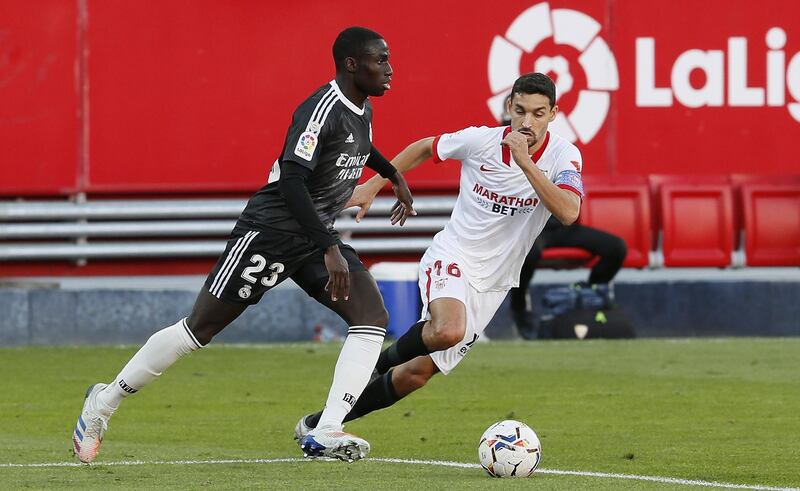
(722, 410)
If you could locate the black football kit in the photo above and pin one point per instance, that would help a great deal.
(287, 225)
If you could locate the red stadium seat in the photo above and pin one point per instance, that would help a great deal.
(621, 208)
(772, 224)
(657, 180)
(739, 180)
(564, 257)
(697, 224)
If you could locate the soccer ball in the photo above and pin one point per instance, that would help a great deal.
(509, 449)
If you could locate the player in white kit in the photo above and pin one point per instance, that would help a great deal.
(513, 178)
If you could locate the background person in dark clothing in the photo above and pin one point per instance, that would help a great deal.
(609, 248)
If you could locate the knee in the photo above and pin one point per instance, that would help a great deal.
(445, 333)
(381, 317)
(376, 316)
(203, 336)
(203, 331)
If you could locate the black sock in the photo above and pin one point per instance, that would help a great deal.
(407, 347)
(377, 395)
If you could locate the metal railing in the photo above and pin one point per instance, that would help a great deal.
(160, 209)
(182, 228)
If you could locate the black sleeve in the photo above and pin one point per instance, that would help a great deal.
(292, 186)
(379, 164)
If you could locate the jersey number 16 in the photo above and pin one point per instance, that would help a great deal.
(452, 269)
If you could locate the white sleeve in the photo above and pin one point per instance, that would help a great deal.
(456, 145)
(568, 168)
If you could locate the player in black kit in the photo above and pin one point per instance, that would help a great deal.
(286, 231)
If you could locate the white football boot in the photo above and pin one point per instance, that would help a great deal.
(301, 429)
(334, 443)
(91, 426)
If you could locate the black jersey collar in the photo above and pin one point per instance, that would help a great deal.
(346, 101)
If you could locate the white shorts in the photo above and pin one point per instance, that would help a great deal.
(440, 276)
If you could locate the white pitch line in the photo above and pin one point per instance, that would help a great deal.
(439, 463)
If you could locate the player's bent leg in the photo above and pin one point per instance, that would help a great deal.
(365, 306)
(413, 375)
(160, 351)
(407, 347)
(210, 316)
(381, 392)
(365, 314)
(446, 328)
(378, 394)
(447, 325)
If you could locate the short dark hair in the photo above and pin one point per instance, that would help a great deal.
(536, 83)
(350, 43)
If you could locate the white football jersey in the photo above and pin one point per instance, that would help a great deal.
(498, 215)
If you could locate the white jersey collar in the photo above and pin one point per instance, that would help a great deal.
(346, 101)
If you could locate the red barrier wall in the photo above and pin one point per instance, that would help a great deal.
(39, 97)
(195, 95)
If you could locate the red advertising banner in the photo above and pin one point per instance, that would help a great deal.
(709, 87)
(196, 95)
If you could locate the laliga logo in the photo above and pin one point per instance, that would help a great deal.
(712, 63)
(567, 27)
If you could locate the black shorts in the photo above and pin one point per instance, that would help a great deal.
(255, 262)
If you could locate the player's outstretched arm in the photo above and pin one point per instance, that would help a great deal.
(412, 156)
(564, 205)
(403, 208)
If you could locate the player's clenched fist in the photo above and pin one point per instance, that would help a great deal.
(518, 144)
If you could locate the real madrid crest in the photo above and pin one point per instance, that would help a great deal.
(245, 291)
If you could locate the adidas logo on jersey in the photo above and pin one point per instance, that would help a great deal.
(350, 139)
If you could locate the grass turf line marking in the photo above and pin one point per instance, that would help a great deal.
(440, 463)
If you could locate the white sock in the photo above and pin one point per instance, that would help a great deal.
(158, 353)
(353, 369)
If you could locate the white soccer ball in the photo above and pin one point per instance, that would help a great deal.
(509, 449)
